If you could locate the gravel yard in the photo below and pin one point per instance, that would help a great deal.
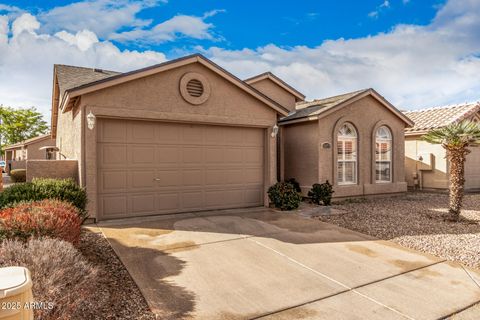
(116, 295)
(417, 221)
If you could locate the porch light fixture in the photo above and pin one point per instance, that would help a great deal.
(91, 120)
(274, 131)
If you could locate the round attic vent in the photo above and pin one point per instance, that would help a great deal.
(194, 88)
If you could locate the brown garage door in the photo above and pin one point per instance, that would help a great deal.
(147, 168)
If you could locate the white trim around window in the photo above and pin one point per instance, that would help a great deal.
(383, 155)
(347, 146)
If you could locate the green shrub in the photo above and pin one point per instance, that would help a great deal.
(18, 175)
(284, 196)
(295, 184)
(321, 193)
(40, 189)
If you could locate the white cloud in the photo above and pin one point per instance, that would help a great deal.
(375, 13)
(103, 17)
(27, 58)
(180, 25)
(26, 22)
(412, 66)
(4, 29)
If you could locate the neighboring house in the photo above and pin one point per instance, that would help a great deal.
(426, 164)
(354, 140)
(187, 135)
(33, 149)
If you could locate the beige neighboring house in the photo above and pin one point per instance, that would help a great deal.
(187, 135)
(426, 164)
(34, 149)
(354, 140)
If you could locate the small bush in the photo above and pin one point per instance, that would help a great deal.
(60, 275)
(46, 218)
(295, 184)
(284, 196)
(18, 175)
(321, 193)
(40, 189)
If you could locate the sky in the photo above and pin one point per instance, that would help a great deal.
(416, 53)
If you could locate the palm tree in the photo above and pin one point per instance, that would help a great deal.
(455, 139)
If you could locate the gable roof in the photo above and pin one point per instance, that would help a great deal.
(279, 82)
(70, 77)
(316, 109)
(115, 79)
(437, 117)
(27, 142)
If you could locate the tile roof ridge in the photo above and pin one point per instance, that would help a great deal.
(444, 107)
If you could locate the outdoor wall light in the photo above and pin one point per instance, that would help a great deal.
(91, 120)
(274, 131)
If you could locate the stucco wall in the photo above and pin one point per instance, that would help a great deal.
(300, 152)
(69, 137)
(273, 91)
(367, 115)
(157, 97)
(433, 170)
(33, 151)
(58, 169)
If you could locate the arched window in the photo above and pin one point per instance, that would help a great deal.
(383, 155)
(347, 155)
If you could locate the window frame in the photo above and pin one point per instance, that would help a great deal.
(379, 161)
(341, 158)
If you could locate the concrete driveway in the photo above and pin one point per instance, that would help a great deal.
(261, 264)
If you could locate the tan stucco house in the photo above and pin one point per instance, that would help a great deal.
(354, 140)
(426, 165)
(36, 148)
(187, 135)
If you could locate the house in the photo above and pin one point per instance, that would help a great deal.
(34, 148)
(187, 135)
(425, 163)
(354, 140)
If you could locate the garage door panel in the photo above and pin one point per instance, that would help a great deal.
(167, 134)
(215, 177)
(142, 203)
(167, 202)
(192, 178)
(214, 155)
(171, 167)
(192, 134)
(168, 178)
(113, 131)
(214, 135)
(253, 138)
(254, 195)
(253, 156)
(192, 200)
(113, 155)
(224, 198)
(253, 175)
(112, 206)
(192, 155)
(142, 179)
(142, 133)
(167, 155)
(233, 156)
(234, 136)
(142, 155)
(113, 181)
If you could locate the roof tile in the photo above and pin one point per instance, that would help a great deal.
(438, 117)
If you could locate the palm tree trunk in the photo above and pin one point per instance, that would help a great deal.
(456, 158)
